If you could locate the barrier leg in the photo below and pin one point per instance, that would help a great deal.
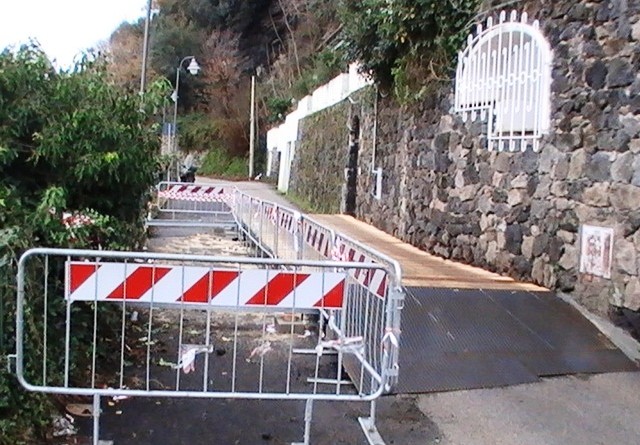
(96, 419)
(368, 425)
(96, 424)
(308, 415)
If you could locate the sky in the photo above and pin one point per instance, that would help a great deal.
(64, 28)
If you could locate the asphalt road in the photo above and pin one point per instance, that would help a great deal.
(147, 421)
(601, 409)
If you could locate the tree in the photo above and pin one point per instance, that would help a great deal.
(225, 90)
(173, 39)
(389, 38)
(124, 53)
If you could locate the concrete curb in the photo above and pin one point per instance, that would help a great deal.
(618, 336)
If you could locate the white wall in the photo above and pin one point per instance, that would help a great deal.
(283, 139)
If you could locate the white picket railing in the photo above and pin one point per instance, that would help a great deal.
(504, 79)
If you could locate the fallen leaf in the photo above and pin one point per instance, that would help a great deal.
(163, 362)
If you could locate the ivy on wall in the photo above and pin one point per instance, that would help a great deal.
(320, 160)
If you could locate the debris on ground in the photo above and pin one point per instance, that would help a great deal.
(188, 356)
(63, 426)
(260, 350)
(80, 409)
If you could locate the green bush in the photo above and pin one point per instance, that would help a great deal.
(277, 108)
(237, 168)
(70, 143)
(392, 39)
(323, 67)
(198, 132)
(219, 163)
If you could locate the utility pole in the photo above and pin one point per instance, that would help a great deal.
(252, 132)
(145, 47)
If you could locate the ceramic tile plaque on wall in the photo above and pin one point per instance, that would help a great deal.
(596, 250)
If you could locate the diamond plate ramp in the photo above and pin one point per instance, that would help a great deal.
(464, 339)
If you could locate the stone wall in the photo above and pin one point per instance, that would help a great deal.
(514, 213)
(318, 169)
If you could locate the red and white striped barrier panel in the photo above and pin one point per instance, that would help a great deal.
(289, 222)
(374, 279)
(318, 239)
(200, 193)
(283, 219)
(201, 285)
(272, 214)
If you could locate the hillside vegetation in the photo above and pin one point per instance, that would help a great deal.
(292, 46)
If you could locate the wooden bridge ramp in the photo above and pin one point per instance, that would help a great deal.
(419, 268)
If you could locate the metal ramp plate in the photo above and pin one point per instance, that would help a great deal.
(464, 339)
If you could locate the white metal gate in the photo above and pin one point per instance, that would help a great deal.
(504, 79)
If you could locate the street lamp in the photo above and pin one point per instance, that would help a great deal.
(194, 69)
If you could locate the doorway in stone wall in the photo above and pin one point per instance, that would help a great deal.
(352, 167)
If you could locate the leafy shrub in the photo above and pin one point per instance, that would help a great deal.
(387, 37)
(71, 145)
(219, 163)
(277, 108)
(237, 168)
(322, 67)
(198, 132)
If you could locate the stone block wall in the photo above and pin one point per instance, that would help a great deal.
(514, 213)
(319, 160)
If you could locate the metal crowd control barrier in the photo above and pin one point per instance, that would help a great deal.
(178, 204)
(274, 229)
(287, 234)
(175, 299)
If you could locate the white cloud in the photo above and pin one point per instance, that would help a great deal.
(64, 28)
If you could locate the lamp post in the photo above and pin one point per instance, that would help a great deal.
(252, 130)
(194, 69)
(145, 48)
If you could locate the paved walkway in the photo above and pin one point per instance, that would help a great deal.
(418, 267)
(254, 188)
(582, 410)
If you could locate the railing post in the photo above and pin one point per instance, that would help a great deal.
(261, 235)
(96, 419)
(297, 234)
(276, 212)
